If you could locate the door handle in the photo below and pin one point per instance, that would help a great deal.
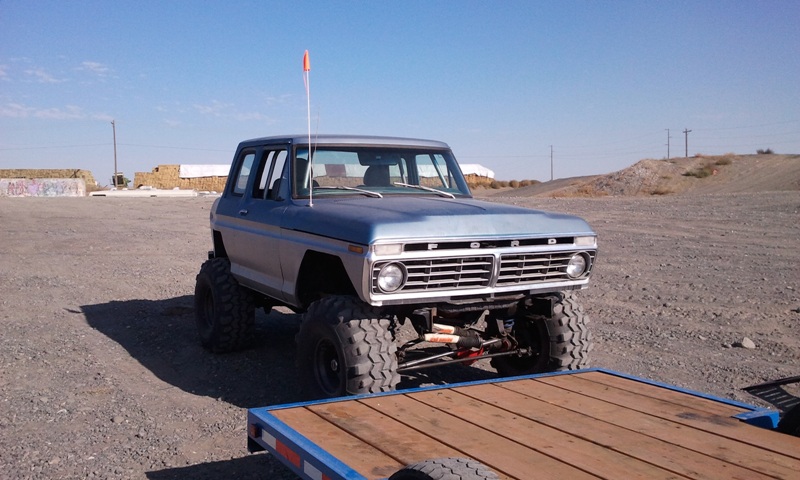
(243, 212)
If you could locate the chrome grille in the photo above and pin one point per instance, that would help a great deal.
(528, 268)
(460, 273)
(443, 273)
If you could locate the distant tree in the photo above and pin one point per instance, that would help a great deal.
(767, 151)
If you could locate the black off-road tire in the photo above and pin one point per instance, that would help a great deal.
(224, 310)
(561, 341)
(345, 347)
(446, 469)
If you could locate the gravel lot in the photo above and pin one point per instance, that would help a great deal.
(102, 376)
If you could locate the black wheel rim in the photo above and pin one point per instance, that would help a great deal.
(328, 368)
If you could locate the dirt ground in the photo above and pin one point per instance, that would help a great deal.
(102, 376)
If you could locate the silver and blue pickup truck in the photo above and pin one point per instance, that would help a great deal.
(365, 234)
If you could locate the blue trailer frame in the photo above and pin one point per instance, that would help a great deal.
(308, 460)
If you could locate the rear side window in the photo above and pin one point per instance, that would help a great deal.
(269, 172)
(245, 167)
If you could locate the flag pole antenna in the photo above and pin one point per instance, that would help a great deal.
(306, 70)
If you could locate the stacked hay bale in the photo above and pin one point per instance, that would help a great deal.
(474, 180)
(31, 173)
(167, 177)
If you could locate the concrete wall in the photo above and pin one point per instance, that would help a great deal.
(42, 187)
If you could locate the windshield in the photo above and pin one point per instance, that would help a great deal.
(378, 170)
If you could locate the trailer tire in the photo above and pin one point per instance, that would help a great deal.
(560, 341)
(345, 347)
(445, 469)
(790, 422)
(224, 310)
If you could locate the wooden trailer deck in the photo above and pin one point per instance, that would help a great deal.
(587, 424)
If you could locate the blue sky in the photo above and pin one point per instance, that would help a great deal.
(500, 81)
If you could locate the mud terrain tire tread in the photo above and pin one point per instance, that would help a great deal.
(568, 341)
(570, 338)
(224, 310)
(445, 469)
(363, 343)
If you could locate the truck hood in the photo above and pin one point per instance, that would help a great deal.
(364, 220)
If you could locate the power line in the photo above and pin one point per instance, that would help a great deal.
(54, 146)
(45, 147)
(176, 148)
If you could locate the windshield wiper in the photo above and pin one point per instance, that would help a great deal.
(427, 189)
(368, 193)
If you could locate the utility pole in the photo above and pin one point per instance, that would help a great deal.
(668, 137)
(686, 141)
(114, 129)
(551, 163)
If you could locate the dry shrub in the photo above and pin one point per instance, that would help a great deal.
(589, 190)
(701, 172)
(528, 183)
(663, 190)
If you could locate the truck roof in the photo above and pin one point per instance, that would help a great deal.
(345, 140)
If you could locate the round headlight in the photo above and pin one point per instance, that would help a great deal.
(576, 266)
(391, 277)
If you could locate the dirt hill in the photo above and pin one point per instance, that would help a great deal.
(695, 175)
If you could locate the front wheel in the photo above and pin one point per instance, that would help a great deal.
(559, 341)
(345, 347)
(446, 469)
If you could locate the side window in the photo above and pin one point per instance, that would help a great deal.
(269, 171)
(274, 184)
(245, 166)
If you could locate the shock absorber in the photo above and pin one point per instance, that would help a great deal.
(460, 337)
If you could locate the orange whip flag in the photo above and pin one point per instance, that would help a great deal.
(306, 69)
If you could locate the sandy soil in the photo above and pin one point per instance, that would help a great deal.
(102, 376)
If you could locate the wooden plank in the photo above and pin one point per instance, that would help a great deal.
(501, 454)
(681, 412)
(664, 394)
(581, 453)
(723, 449)
(382, 432)
(571, 419)
(358, 455)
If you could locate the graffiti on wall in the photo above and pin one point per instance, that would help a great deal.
(42, 187)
